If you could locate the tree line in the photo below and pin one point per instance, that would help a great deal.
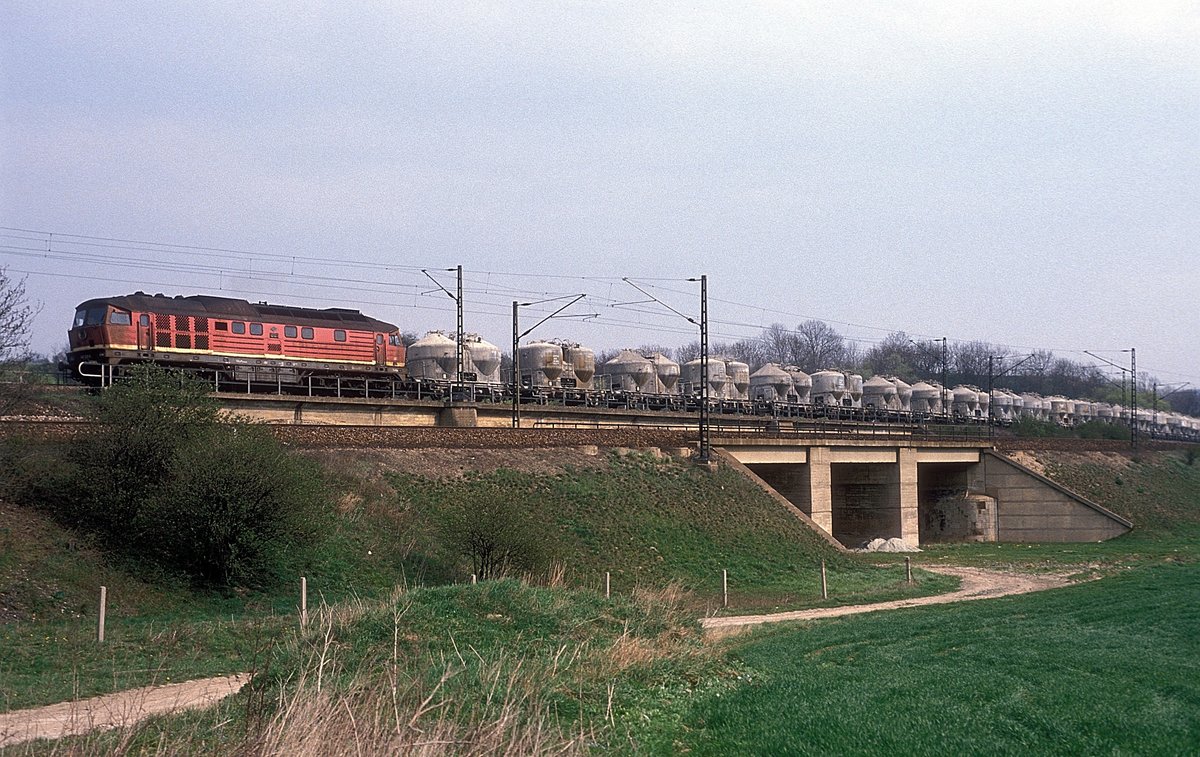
(815, 345)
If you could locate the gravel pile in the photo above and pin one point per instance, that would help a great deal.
(894, 544)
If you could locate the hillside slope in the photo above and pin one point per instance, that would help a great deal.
(645, 519)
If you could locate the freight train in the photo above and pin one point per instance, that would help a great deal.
(244, 346)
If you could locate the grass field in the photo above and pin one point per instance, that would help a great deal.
(1108, 667)
(650, 522)
(501, 667)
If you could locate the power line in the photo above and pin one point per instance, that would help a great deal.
(60, 246)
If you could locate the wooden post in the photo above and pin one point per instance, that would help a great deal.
(824, 582)
(908, 569)
(303, 602)
(724, 587)
(103, 612)
(474, 579)
(607, 584)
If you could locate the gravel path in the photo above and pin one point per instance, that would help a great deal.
(977, 583)
(114, 710)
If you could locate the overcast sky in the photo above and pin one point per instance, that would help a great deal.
(1023, 173)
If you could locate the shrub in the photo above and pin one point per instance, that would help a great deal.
(492, 523)
(233, 507)
(165, 477)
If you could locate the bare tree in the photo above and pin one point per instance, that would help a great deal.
(749, 351)
(818, 346)
(970, 360)
(779, 344)
(687, 352)
(16, 317)
(895, 355)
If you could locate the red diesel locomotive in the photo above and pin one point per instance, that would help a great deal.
(236, 339)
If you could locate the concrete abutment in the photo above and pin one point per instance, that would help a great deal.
(923, 492)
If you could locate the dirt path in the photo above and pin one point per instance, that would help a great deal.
(114, 710)
(977, 583)
(128, 707)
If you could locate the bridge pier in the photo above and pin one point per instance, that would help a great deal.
(920, 491)
(910, 502)
(820, 488)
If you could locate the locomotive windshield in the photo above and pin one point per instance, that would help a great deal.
(89, 316)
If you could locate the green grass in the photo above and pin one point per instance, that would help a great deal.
(1107, 666)
(649, 521)
(610, 675)
(59, 661)
(1111, 666)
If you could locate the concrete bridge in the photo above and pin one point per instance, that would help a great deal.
(920, 490)
(854, 486)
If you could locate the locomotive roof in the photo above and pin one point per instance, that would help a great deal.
(227, 307)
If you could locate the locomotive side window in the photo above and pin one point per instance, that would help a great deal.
(256, 329)
(144, 319)
(221, 326)
(239, 327)
(306, 332)
(379, 339)
(339, 335)
(120, 318)
(289, 332)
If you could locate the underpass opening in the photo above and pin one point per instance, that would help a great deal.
(865, 499)
(792, 481)
(947, 510)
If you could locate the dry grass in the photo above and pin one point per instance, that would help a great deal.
(381, 677)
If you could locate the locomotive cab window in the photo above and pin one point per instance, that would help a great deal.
(339, 335)
(394, 340)
(256, 329)
(289, 332)
(144, 319)
(120, 318)
(306, 332)
(239, 327)
(90, 317)
(379, 339)
(221, 326)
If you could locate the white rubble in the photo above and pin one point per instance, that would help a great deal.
(894, 544)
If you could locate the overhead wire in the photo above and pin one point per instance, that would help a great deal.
(58, 246)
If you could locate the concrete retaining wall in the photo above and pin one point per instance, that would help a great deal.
(1032, 508)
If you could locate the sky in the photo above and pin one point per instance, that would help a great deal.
(1025, 173)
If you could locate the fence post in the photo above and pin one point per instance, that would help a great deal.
(303, 602)
(474, 579)
(908, 569)
(607, 584)
(824, 582)
(103, 612)
(724, 587)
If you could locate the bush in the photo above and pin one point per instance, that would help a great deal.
(491, 521)
(165, 477)
(234, 507)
